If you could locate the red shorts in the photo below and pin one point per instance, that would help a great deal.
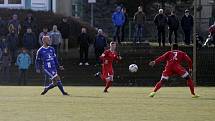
(107, 72)
(174, 70)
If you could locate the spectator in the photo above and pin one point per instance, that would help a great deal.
(99, 45)
(139, 20)
(3, 43)
(43, 33)
(84, 43)
(56, 38)
(160, 21)
(15, 22)
(173, 24)
(29, 22)
(199, 41)
(6, 65)
(118, 20)
(12, 40)
(64, 28)
(212, 33)
(187, 26)
(3, 28)
(30, 42)
(23, 62)
(124, 24)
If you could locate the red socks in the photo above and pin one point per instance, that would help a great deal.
(108, 84)
(158, 86)
(191, 85)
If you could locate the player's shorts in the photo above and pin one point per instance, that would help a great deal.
(107, 74)
(174, 70)
(52, 73)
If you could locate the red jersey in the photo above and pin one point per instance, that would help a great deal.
(109, 56)
(174, 57)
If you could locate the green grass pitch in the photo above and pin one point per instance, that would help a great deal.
(121, 104)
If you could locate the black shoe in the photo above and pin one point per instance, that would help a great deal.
(97, 74)
(65, 93)
(44, 92)
(105, 91)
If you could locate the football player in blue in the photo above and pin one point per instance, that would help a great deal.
(46, 59)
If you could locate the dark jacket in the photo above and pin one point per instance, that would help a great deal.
(160, 20)
(64, 28)
(3, 28)
(13, 40)
(187, 22)
(139, 18)
(29, 41)
(100, 42)
(173, 22)
(6, 60)
(30, 24)
(84, 40)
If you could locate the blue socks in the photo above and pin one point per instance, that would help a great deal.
(60, 86)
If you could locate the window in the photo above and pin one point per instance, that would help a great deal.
(1, 1)
(14, 1)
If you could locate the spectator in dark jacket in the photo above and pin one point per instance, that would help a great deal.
(3, 28)
(15, 22)
(187, 26)
(84, 43)
(29, 40)
(43, 33)
(99, 45)
(118, 20)
(12, 39)
(160, 21)
(4, 43)
(139, 20)
(30, 23)
(124, 24)
(173, 24)
(65, 30)
(6, 64)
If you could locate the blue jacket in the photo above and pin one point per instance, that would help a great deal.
(23, 61)
(100, 42)
(118, 18)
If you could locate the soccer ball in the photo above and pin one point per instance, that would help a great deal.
(133, 68)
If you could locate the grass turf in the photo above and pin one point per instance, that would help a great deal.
(121, 104)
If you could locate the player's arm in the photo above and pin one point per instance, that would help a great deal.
(188, 60)
(159, 59)
(38, 61)
(103, 57)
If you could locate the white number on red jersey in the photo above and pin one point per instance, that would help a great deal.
(175, 56)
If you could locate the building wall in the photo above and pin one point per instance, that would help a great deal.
(64, 7)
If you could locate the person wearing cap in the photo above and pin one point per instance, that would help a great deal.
(100, 44)
(187, 26)
(23, 62)
(118, 19)
(173, 24)
(160, 21)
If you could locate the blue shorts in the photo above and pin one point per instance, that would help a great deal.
(52, 73)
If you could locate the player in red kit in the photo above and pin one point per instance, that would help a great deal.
(173, 60)
(107, 58)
